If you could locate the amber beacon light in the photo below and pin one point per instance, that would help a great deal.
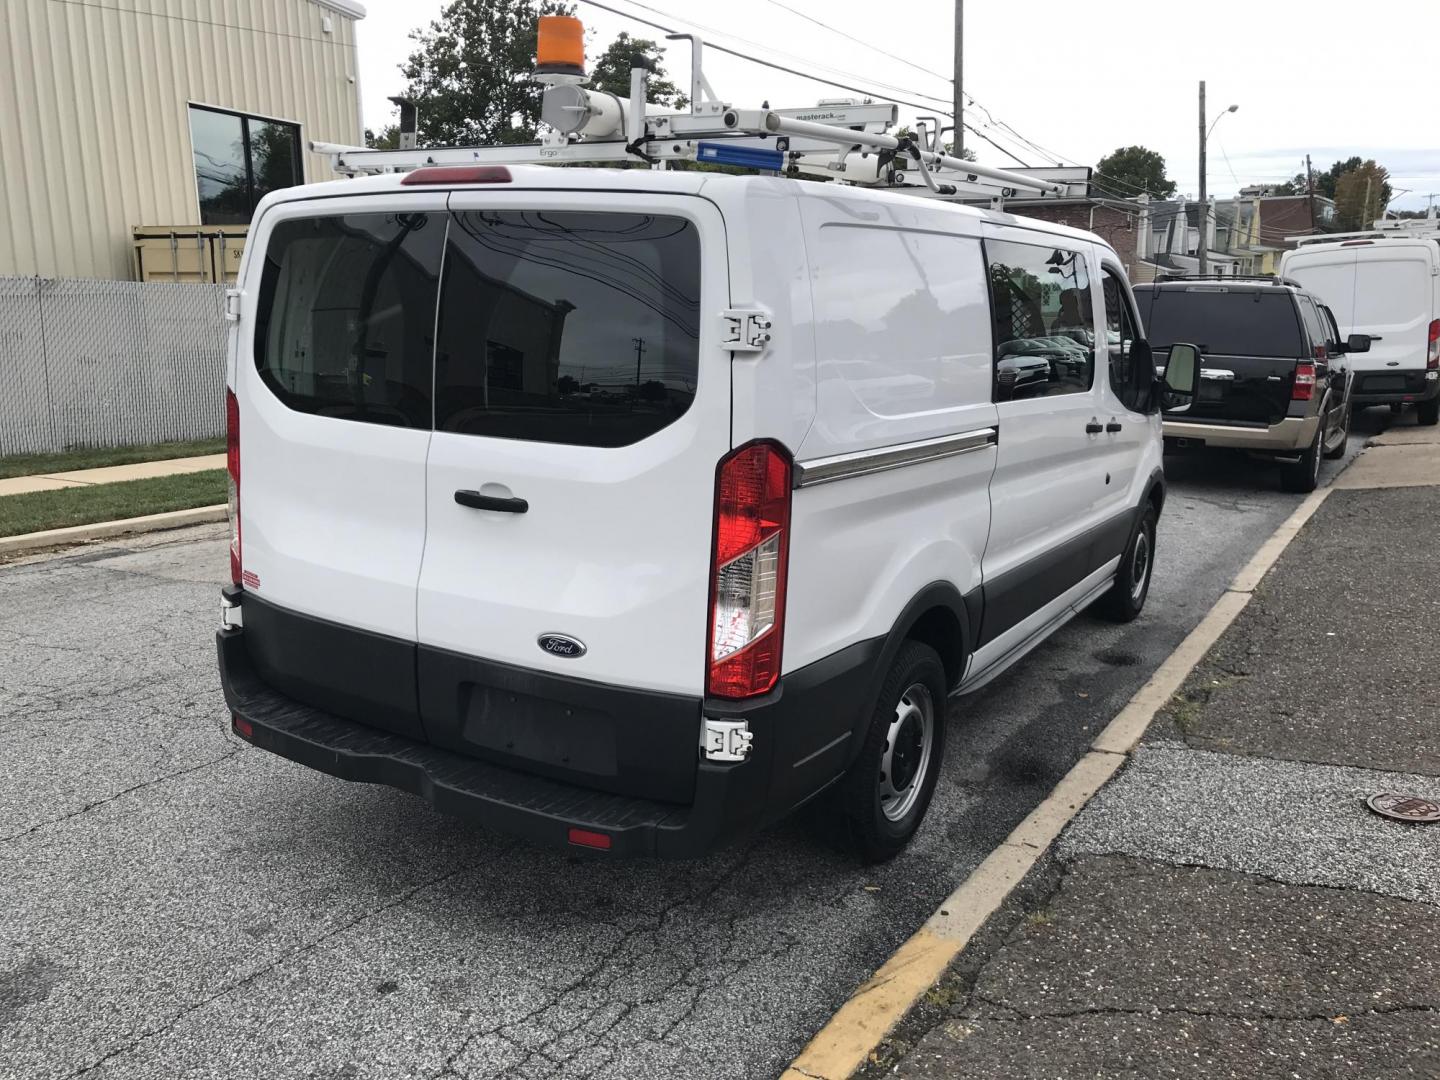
(560, 48)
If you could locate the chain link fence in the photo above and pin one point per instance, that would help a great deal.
(109, 363)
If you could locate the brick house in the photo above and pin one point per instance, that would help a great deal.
(1116, 221)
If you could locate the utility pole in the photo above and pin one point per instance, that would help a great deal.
(1366, 221)
(959, 141)
(1310, 190)
(1204, 206)
(639, 343)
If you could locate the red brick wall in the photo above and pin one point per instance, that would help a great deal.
(1115, 226)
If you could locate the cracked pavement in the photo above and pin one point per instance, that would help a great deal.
(1227, 906)
(176, 904)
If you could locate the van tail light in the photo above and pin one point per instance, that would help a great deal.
(1304, 388)
(1432, 354)
(747, 588)
(232, 481)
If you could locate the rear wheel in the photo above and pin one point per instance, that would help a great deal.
(1304, 476)
(1126, 598)
(1428, 412)
(1342, 435)
(884, 796)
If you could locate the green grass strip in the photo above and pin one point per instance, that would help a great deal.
(39, 510)
(70, 460)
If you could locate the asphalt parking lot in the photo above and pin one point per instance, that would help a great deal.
(174, 903)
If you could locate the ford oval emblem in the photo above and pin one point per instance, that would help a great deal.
(561, 645)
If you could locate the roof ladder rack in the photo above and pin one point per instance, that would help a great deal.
(844, 140)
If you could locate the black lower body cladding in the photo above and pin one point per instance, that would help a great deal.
(803, 740)
(1393, 387)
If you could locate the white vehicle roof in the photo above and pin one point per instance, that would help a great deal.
(722, 186)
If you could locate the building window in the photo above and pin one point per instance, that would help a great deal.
(238, 160)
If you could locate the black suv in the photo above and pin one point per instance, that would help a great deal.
(1269, 379)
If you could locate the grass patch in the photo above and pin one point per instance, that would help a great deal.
(70, 460)
(39, 510)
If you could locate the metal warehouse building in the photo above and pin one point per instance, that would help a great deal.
(172, 117)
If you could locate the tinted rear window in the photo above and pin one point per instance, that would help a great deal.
(346, 318)
(567, 327)
(1242, 323)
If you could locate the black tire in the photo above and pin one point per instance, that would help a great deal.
(1304, 476)
(1339, 450)
(909, 713)
(1126, 598)
(1427, 413)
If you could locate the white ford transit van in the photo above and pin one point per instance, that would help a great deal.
(632, 509)
(1388, 288)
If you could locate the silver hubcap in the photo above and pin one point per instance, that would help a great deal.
(1140, 566)
(908, 744)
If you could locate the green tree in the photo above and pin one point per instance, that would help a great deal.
(1360, 196)
(388, 139)
(611, 73)
(1131, 170)
(470, 75)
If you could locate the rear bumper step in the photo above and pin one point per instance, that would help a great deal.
(1291, 435)
(505, 800)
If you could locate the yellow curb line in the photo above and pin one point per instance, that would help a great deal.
(75, 534)
(873, 1010)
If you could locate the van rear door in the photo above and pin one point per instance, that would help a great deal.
(334, 388)
(1394, 303)
(582, 405)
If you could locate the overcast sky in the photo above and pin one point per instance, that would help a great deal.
(1079, 79)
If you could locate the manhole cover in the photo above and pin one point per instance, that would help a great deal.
(1404, 807)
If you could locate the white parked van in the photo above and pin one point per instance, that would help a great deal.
(632, 509)
(1388, 288)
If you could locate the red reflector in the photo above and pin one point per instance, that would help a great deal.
(242, 726)
(586, 838)
(459, 174)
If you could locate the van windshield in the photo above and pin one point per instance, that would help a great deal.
(1248, 322)
(567, 327)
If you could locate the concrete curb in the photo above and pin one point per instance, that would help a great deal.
(852, 1034)
(100, 530)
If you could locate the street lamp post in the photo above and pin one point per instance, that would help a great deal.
(1203, 218)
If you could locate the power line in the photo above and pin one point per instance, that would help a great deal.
(887, 95)
(859, 41)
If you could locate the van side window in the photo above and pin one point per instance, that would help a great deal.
(1043, 320)
(1132, 387)
(567, 327)
(347, 315)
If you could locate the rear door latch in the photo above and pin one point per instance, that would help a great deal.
(232, 304)
(744, 329)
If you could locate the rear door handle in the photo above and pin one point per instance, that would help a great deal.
(1094, 427)
(476, 501)
(1112, 426)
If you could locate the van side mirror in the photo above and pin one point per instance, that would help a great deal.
(1181, 382)
(1357, 343)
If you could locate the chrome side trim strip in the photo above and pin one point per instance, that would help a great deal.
(883, 458)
